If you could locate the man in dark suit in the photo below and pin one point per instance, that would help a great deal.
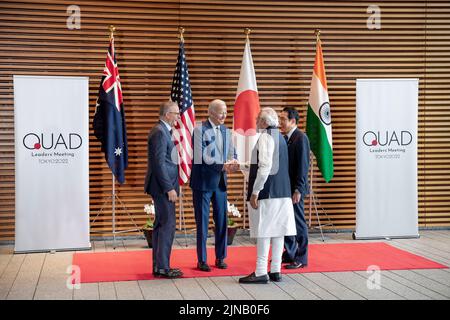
(296, 247)
(161, 182)
(214, 156)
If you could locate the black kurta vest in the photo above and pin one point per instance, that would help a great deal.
(278, 184)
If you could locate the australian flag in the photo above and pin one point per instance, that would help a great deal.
(109, 119)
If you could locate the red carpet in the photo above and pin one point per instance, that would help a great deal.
(136, 265)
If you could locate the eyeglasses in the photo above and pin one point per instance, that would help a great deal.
(177, 113)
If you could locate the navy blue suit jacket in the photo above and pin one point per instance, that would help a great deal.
(207, 169)
(162, 170)
(298, 150)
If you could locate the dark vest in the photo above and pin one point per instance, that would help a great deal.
(278, 184)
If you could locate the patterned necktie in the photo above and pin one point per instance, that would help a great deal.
(219, 141)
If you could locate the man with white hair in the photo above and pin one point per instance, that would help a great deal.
(269, 194)
(214, 157)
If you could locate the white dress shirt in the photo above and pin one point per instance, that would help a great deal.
(266, 147)
(290, 133)
(219, 138)
(168, 126)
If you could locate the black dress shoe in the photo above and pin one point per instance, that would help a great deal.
(252, 278)
(203, 266)
(156, 272)
(295, 265)
(286, 260)
(221, 264)
(275, 276)
(169, 273)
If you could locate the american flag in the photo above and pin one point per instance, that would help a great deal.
(182, 95)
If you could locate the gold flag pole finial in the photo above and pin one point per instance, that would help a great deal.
(112, 29)
(247, 32)
(317, 32)
(181, 31)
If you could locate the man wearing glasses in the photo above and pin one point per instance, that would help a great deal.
(161, 182)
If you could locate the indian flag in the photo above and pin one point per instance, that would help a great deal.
(318, 121)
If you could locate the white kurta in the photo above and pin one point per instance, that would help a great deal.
(274, 217)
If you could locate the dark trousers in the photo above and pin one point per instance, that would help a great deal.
(202, 200)
(163, 232)
(297, 246)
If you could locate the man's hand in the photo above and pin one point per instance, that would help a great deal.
(254, 201)
(296, 197)
(231, 166)
(172, 194)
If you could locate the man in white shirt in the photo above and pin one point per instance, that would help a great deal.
(270, 208)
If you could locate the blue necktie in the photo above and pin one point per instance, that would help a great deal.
(219, 141)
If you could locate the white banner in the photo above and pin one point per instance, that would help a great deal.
(51, 116)
(386, 158)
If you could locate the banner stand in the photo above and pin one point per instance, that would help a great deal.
(354, 237)
(51, 133)
(386, 159)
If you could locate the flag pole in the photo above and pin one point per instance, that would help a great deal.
(311, 179)
(247, 32)
(113, 196)
(181, 31)
(112, 29)
(317, 33)
(113, 202)
(312, 197)
(310, 186)
(182, 216)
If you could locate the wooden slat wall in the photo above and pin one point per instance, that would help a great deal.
(413, 42)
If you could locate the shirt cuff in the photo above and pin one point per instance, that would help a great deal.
(244, 166)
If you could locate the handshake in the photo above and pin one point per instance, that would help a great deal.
(231, 166)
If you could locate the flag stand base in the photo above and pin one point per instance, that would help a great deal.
(314, 200)
(113, 198)
(183, 218)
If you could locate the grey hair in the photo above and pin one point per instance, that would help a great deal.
(215, 103)
(269, 116)
(164, 107)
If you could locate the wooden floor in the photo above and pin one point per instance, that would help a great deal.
(44, 276)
